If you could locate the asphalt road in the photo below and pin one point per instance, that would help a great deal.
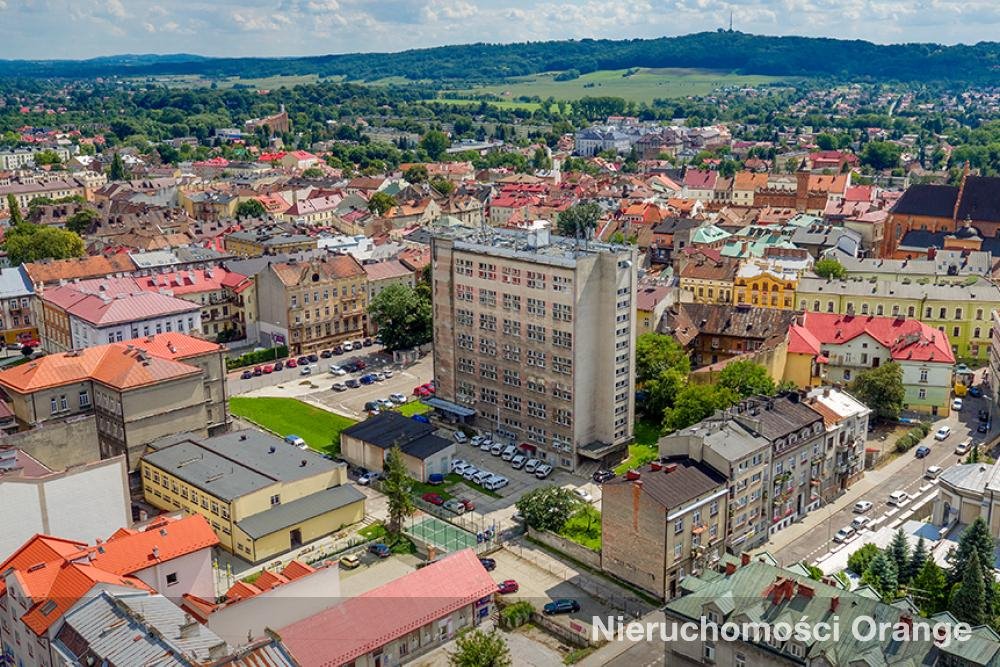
(840, 513)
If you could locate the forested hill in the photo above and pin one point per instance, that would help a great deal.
(729, 51)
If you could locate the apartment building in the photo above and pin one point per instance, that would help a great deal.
(256, 242)
(262, 496)
(25, 190)
(744, 460)
(662, 523)
(20, 158)
(995, 356)
(227, 299)
(313, 304)
(135, 395)
(846, 421)
(17, 323)
(537, 333)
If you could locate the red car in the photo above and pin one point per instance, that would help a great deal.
(421, 391)
(508, 586)
(433, 499)
(268, 369)
(291, 363)
(258, 371)
(467, 503)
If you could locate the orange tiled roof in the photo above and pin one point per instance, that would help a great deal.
(331, 268)
(157, 543)
(115, 365)
(174, 345)
(95, 266)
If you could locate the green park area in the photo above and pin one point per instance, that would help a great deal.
(286, 416)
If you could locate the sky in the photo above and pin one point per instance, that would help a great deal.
(31, 29)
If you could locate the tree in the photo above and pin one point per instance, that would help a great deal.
(656, 353)
(27, 242)
(976, 540)
(661, 392)
(117, 171)
(696, 402)
(416, 174)
(968, 600)
(251, 208)
(917, 560)
(881, 155)
(899, 552)
(403, 318)
(397, 487)
(578, 219)
(828, 268)
(826, 141)
(746, 378)
(312, 172)
(881, 389)
(858, 561)
(14, 210)
(476, 648)
(547, 507)
(930, 588)
(81, 221)
(435, 143)
(380, 203)
(47, 157)
(541, 160)
(882, 576)
(442, 185)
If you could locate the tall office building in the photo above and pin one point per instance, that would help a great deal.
(536, 333)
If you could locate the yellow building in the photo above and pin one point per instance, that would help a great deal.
(765, 286)
(707, 279)
(262, 241)
(262, 495)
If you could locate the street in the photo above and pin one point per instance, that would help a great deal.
(909, 478)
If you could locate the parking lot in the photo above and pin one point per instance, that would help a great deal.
(316, 387)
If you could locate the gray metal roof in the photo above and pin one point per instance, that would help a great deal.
(982, 291)
(289, 514)
(234, 464)
(14, 282)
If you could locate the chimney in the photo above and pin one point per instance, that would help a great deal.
(834, 603)
(189, 628)
(730, 569)
(744, 559)
(218, 651)
(156, 552)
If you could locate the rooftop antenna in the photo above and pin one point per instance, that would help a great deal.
(730, 20)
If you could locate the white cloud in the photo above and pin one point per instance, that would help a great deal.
(116, 8)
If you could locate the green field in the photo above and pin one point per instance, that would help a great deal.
(261, 83)
(413, 408)
(643, 86)
(529, 106)
(287, 416)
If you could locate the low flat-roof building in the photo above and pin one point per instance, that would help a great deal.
(262, 495)
(366, 444)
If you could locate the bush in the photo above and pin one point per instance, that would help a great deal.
(912, 437)
(257, 357)
(516, 614)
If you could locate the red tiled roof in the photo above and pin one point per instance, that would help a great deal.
(158, 542)
(191, 281)
(907, 340)
(174, 345)
(359, 625)
(385, 270)
(699, 179)
(52, 271)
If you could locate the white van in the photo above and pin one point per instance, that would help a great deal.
(898, 497)
(508, 453)
(495, 482)
(497, 448)
(482, 476)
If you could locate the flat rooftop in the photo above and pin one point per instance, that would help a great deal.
(539, 245)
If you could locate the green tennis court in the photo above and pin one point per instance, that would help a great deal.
(440, 534)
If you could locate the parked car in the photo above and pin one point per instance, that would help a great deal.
(486, 445)
(278, 366)
(246, 375)
(488, 563)
(454, 506)
(258, 371)
(583, 494)
(862, 506)
(398, 399)
(497, 449)
(380, 550)
(942, 433)
(305, 369)
(963, 447)
(531, 464)
(367, 478)
(386, 403)
(268, 369)
(296, 440)
(481, 476)
(923, 451)
(353, 383)
(898, 497)
(433, 499)
(303, 361)
(508, 453)
(372, 405)
(348, 346)
(435, 478)
(459, 437)
(325, 354)
(337, 370)
(843, 534)
(467, 504)
(933, 472)
(956, 404)
(349, 562)
(860, 522)
(379, 377)
(496, 482)
(561, 606)
(507, 586)
(338, 349)
(518, 461)
(543, 471)
(460, 467)
(313, 358)
(983, 427)
(975, 392)
(602, 476)
(469, 474)
(339, 386)
(421, 392)
(423, 419)
(291, 363)
(360, 364)
(983, 415)
(367, 342)
(387, 373)
(367, 379)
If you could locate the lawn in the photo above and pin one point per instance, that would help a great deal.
(645, 85)
(397, 545)
(286, 416)
(576, 528)
(644, 449)
(413, 408)
(420, 488)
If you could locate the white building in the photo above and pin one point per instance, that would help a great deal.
(846, 421)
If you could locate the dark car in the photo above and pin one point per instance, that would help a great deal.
(326, 354)
(246, 375)
(561, 606)
(984, 427)
(353, 383)
(303, 360)
(367, 342)
(421, 418)
(278, 365)
(601, 476)
(371, 405)
(258, 371)
(380, 550)
(923, 451)
(975, 392)
(489, 563)
(313, 357)
(984, 415)
(338, 349)
(360, 364)
(507, 586)
(367, 379)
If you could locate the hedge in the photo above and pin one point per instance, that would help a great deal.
(257, 357)
(912, 437)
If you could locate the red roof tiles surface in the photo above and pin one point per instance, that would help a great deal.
(907, 340)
